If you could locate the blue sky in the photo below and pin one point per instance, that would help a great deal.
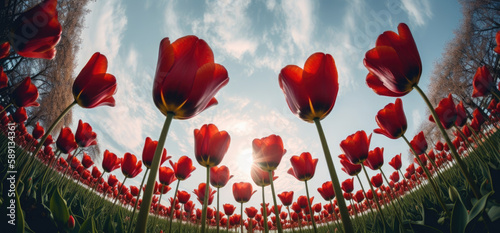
(254, 40)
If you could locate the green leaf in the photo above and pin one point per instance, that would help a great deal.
(58, 208)
(119, 227)
(459, 218)
(19, 216)
(478, 208)
(494, 213)
(109, 225)
(424, 228)
(88, 226)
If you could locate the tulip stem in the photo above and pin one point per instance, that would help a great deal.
(241, 217)
(276, 212)
(142, 218)
(172, 206)
(374, 196)
(290, 217)
(264, 208)
(429, 177)
(460, 162)
(311, 211)
(47, 133)
(366, 196)
(217, 212)
(205, 202)
(5, 108)
(119, 192)
(227, 224)
(344, 214)
(137, 199)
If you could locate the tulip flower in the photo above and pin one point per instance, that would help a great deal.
(210, 145)
(183, 167)
(242, 192)
(20, 115)
(394, 63)
(84, 135)
(268, 151)
(419, 144)
(218, 178)
(286, 198)
(326, 191)
(38, 131)
(356, 147)
(87, 161)
(303, 166)
(66, 141)
(71, 222)
(94, 87)
(110, 161)
(375, 158)
(396, 162)
(166, 175)
(348, 167)
(446, 111)
(149, 151)
(251, 212)
(376, 180)
(358, 196)
(25, 94)
(497, 39)
(311, 92)
(461, 115)
(4, 51)
(483, 82)
(348, 185)
(36, 32)
(394, 176)
(439, 146)
(4, 80)
(229, 209)
(200, 193)
(130, 166)
(391, 120)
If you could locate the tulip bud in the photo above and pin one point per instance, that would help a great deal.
(71, 222)
(453, 193)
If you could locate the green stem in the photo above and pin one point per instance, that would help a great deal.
(344, 214)
(119, 192)
(366, 196)
(460, 162)
(172, 206)
(311, 211)
(374, 196)
(137, 199)
(205, 202)
(264, 208)
(227, 224)
(431, 181)
(276, 212)
(334, 218)
(290, 217)
(398, 214)
(142, 218)
(217, 211)
(241, 218)
(5, 108)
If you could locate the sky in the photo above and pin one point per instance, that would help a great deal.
(254, 40)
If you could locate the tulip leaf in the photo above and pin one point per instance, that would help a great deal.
(119, 227)
(88, 226)
(494, 213)
(58, 208)
(459, 218)
(19, 216)
(478, 208)
(109, 225)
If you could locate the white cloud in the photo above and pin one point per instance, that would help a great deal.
(417, 118)
(171, 20)
(418, 11)
(299, 22)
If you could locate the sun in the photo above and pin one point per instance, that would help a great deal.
(245, 161)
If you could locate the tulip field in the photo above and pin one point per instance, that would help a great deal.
(51, 182)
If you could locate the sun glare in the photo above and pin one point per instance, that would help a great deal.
(245, 162)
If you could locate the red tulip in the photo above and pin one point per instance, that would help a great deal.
(242, 192)
(439, 146)
(411, 169)
(183, 197)
(4, 51)
(259, 176)
(134, 191)
(93, 87)
(66, 141)
(478, 116)
(348, 167)
(394, 176)
(200, 193)
(394, 63)
(311, 92)
(210, 145)
(183, 167)
(4, 80)
(84, 135)
(296, 208)
(483, 82)
(497, 38)
(166, 175)
(348, 185)
(359, 196)
(149, 151)
(229, 209)
(219, 176)
(110, 161)
(396, 162)
(96, 173)
(303, 166)
(302, 202)
(38, 131)
(186, 78)
(461, 115)
(326, 191)
(419, 144)
(36, 32)
(87, 161)
(130, 166)
(375, 158)
(26, 94)
(251, 211)
(268, 151)
(112, 181)
(356, 147)
(71, 222)
(446, 112)
(391, 120)
(286, 198)
(20, 115)
(377, 180)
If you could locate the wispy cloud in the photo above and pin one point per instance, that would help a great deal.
(419, 11)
